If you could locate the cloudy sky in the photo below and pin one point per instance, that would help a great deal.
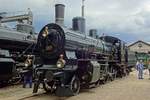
(126, 19)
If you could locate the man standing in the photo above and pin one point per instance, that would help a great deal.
(149, 68)
(28, 71)
(140, 69)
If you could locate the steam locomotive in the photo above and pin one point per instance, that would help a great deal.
(15, 45)
(70, 60)
(87, 60)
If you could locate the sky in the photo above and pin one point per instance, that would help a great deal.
(127, 19)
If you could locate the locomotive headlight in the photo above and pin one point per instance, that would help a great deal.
(44, 35)
(60, 64)
(26, 65)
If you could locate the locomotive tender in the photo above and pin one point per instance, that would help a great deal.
(69, 60)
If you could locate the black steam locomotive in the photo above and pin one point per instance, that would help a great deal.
(70, 60)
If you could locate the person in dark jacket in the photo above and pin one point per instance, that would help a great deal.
(28, 72)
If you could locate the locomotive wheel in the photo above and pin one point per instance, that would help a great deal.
(16, 79)
(128, 71)
(36, 86)
(112, 78)
(97, 83)
(106, 79)
(75, 85)
(115, 74)
(103, 81)
(47, 87)
(89, 72)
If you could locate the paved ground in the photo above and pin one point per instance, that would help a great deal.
(129, 88)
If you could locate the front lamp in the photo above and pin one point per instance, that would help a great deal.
(26, 65)
(60, 64)
(44, 35)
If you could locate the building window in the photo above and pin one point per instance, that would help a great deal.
(139, 45)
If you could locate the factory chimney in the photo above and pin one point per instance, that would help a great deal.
(59, 14)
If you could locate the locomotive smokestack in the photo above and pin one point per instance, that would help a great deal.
(59, 14)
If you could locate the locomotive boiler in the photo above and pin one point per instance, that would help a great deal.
(69, 59)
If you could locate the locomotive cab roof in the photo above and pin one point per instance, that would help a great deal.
(110, 39)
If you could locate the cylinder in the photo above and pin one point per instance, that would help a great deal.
(78, 24)
(59, 14)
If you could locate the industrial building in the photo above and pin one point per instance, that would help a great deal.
(140, 47)
(142, 50)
